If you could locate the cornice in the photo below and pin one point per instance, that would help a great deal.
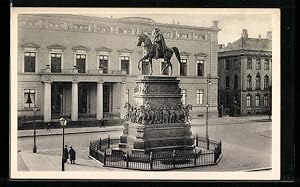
(105, 49)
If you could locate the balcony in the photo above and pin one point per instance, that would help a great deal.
(47, 70)
(67, 75)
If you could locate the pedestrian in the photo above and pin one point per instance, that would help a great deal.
(72, 155)
(48, 127)
(66, 154)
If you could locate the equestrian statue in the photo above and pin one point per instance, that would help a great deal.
(157, 50)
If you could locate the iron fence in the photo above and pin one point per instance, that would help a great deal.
(106, 151)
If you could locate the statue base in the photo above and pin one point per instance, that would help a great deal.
(156, 137)
(156, 121)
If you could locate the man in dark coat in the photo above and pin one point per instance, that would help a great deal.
(159, 42)
(66, 154)
(72, 155)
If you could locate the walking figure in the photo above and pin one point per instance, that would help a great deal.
(66, 154)
(72, 154)
(48, 127)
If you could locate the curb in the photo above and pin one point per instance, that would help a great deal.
(79, 132)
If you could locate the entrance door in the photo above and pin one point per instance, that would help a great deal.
(106, 98)
(56, 100)
(82, 98)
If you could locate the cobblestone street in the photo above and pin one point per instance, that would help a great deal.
(246, 146)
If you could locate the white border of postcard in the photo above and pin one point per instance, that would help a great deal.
(273, 174)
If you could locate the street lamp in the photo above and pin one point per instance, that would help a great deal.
(63, 123)
(207, 106)
(34, 109)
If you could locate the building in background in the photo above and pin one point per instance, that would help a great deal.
(86, 67)
(244, 69)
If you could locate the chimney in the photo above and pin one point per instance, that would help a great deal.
(244, 34)
(269, 35)
(177, 22)
(173, 22)
(259, 37)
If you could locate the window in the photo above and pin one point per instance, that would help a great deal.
(266, 100)
(183, 98)
(145, 67)
(55, 62)
(266, 82)
(257, 100)
(227, 83)
(183, 67)
(103, 63)
(236, 64)
(127, 96)
(81, 62)
(248, 98)
(236, 82)
(29, 98)
(249, 82)
(200, 97)
(266, 64)
(257, 82)
(227, 65)
(227, 99)
(258, 64)
(200, 67)
(125, 64)
(163, 65)
(249, 63)
(29, 61)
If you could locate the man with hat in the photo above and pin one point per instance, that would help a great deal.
(159, 42)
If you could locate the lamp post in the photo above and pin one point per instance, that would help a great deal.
(208, 83)
(63, 123)
(34, 109)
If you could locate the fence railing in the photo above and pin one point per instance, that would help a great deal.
(103, 151)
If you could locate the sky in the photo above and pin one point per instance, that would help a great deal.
(231, 23)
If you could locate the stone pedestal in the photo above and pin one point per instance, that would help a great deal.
(162, 125)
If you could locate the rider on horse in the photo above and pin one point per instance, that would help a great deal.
(159, 43)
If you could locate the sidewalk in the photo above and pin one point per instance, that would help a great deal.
(195, 122)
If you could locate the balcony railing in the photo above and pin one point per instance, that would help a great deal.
(47, 70)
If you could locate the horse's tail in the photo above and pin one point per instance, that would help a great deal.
(176, 51)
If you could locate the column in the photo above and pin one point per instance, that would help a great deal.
(99, 114)
(74, 112)
(123, 95)
(47, 101)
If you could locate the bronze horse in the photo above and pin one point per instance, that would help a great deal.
(149, 53)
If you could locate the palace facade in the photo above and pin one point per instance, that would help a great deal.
(86, 67)
(244, 69)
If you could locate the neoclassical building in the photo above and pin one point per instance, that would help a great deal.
(244, 69)
(86, 67)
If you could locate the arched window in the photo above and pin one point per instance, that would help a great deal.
(257, 100)
(249, 82)
(249, 98)
(266, 64)
(249, 63)
(257, 81)
(227, 65)
(258, 64)
(266, 82)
